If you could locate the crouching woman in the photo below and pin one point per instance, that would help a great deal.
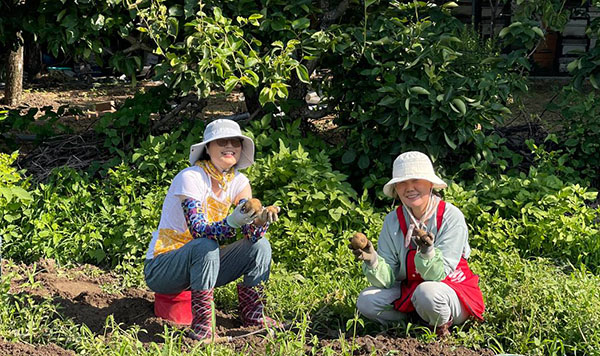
(194, 246)
(421, 260)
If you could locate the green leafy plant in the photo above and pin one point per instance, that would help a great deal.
(536, 213)
(423, 81)
(205, 49)
(132, 122)
(43, 126)
(579, 132)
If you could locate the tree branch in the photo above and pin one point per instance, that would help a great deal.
(169, 116)
(331, 16)
(135, 45)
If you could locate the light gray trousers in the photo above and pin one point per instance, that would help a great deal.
(435, 302)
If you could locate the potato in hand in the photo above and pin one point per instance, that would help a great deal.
(252, 205)
(358, 241)
(269, 214)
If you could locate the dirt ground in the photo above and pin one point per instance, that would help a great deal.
(84, 295)
(50, 92)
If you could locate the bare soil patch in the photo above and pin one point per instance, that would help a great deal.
(89, 295)
(21, 349)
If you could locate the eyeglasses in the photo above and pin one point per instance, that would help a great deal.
(235, 142)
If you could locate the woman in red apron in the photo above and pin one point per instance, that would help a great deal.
(421, 261)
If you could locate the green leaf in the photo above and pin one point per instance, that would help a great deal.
(363, 161)
(335, 214)
(254, 19)
(460, 105)
(264, 96)
(97, 22)
(10, 217)
(173, 27)
(61, 15)
(504, 32)
(176, 10)
(450, 5)
(6, 192)
(387, 100)
(571, 66)
(230, 83)
(449, 141)
(349, 156)
(21, 193)
(301, 23)
(538, 31)
(302, 73)
(594, 81)
(419, 90)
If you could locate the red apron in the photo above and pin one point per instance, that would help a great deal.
(462, 280)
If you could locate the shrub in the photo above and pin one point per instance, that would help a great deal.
(320, 210)
(579, 135)
(14, 200)
(537, 308)
(536, 213)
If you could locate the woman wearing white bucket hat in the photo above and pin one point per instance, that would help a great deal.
(421, 260)
(184, 252)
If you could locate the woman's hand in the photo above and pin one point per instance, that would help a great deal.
(269, 214)
(424, 241)
(240, 216)
(366, 254)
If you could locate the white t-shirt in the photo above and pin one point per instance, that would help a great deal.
(195, 183)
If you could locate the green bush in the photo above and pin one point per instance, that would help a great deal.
(579, 134)
(125, 127)
(535, 213)
(319, 209)
(536, 308)
(423, 81)
(14, 200)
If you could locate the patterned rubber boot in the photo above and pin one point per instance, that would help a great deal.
(252, 308)
(202, 314)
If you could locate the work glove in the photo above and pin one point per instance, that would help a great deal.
(424, 241)
(240, 217)
(270, 214)
(367, 254)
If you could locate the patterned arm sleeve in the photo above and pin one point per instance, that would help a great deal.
(253, 232)
(198, 225)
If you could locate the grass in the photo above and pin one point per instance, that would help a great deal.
(533, 308)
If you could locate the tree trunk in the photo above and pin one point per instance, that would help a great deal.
(14, 74)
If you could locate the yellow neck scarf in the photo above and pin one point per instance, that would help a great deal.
(222, 178)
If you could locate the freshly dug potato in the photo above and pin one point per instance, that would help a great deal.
(359, 241)
(419, 232)
(252, 205)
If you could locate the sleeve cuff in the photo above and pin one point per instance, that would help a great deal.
(429, 255)
(374, 265)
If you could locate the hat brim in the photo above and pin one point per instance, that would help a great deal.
(388, 188)
(246, 158)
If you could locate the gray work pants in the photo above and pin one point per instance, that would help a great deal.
(435, 302)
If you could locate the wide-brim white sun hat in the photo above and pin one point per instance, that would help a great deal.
(412, 165)
(224, 128)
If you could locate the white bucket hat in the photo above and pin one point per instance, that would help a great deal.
(412, 165)
(224, 128)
